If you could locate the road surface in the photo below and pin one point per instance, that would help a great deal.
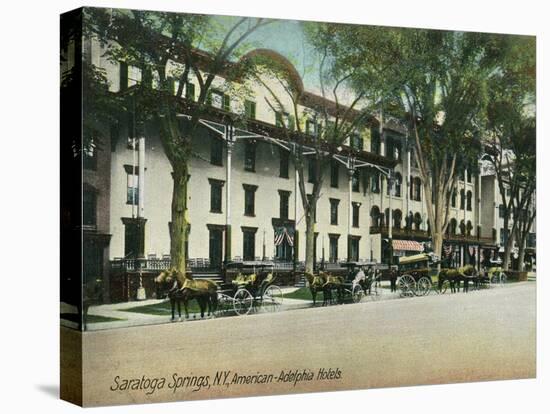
(478, 336)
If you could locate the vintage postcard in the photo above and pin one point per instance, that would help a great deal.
(291, 206)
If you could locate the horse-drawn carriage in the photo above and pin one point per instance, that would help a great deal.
(417, 275)
(363, 279)
(359, 280)
(252, 288)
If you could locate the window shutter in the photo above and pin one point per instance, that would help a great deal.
(226, 102)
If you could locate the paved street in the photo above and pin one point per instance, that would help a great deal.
(489, 334)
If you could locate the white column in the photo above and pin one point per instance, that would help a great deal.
(228, 183)
(407, 179)
(351, 171)
(141, 177)
(389, 209)
(296, 195)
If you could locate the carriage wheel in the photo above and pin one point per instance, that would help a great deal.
(273, 298)
(357, 294)
(423, 286)
(242, 302)
(444, 286)
(406, 285)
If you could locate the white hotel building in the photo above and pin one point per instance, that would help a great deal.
(249, 186)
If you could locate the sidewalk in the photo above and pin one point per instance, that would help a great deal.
(129, 319)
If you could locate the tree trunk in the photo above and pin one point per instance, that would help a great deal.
(508, 247)
(437, 241)
(521, 256)
(310, 240)
(180, 225)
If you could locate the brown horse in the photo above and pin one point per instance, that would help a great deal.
(316, 284)
(181, 288)
(333, 283)
(202, 290)
(463, 274)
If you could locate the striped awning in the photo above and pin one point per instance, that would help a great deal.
(407, 245)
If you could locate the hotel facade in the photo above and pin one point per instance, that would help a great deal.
(243, 197)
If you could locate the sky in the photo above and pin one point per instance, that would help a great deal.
(287, 38)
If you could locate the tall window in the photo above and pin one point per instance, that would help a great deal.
(284, 197)
(190, 91)
(216, 151)
(375, 216)
(250, 109)
(468, 176)
(355, 214)
(311, 127)
(123, 76)
(397, 216)
(501, 211)
(250, 156)
(89, 207)
(417, 221)
(417, 189)
(334, 173)
(375, 182)
(334, 211)
(452, 226)
(355, 181)
(333, 248)
(397, 183)
(462, 227)
(283, 163)
(249, 196)
(469, 201)
(357, 142)
(393, 149)
(283, 119)
(354, 248)
(219, 100)
(375, 140)
(132, 188)
(216, 195)
(462, 199)
(249, 243)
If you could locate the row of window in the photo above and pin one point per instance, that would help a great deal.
(216, 158)
(464, 227)
(283, 251)
(465, 199)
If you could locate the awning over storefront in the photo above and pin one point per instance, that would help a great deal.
(407, 245)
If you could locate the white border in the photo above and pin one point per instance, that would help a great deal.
(29, 171)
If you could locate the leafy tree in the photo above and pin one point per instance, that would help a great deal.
(316, 130)
(170, 48)
(436, 81)
(511, 138)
